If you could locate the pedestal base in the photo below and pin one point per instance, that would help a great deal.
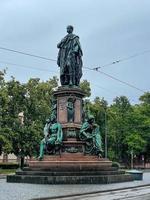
(70, 169)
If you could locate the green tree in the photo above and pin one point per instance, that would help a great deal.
(5, 131)
(31, 98)
(36, 98)
(144, 111)
(38, 95)
(99, 109)
(119, 114)
(85, 86)
(136, 143)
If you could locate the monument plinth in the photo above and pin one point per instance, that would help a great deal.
(71, 150)
(70, 115)
(69, 100)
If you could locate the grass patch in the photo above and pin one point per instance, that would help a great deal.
(7, 171)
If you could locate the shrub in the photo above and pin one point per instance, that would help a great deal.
(9, 165)
(116, 164)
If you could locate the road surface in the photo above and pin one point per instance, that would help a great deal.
(140, 193)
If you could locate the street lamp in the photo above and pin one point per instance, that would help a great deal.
(106, 147)
(132, 157)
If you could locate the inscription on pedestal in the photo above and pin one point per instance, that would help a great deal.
(77, 118)
(62, 110)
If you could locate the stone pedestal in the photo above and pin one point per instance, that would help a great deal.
(63, 95)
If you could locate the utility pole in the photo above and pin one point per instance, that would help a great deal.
(132, 165)
(106, 135)
(21, 119)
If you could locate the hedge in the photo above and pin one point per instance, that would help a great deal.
(9, 165)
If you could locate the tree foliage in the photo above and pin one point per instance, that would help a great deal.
(85, 86)
(33, 100)
(127, 126)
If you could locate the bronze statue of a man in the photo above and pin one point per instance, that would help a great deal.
(70, 59)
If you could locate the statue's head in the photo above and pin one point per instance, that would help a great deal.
(91, 119)
(53, 117)
(48, 120)
(69, 29)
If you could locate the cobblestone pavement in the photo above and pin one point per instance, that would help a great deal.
(20, 191)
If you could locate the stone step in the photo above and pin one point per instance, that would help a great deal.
(49, 169)
(91, 179)
(71, 157)
(70, 165)
(55, 173)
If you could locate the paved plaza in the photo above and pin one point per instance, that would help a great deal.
(20, 191)
(139, 193)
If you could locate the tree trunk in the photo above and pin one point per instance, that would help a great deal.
(22, 162)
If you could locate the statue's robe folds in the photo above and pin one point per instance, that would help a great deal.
(70, 60)
(53, 137)
(91, 135)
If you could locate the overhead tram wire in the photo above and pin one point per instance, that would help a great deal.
(93, 69)
(116, 79)
(47, 70)
(126, 83)
(26, 66)
(27, 54)
(123, 59)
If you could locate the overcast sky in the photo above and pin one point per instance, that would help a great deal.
(109, 30)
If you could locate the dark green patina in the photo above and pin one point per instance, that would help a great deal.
(90, 133)
(70, 59)
(53, 136)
